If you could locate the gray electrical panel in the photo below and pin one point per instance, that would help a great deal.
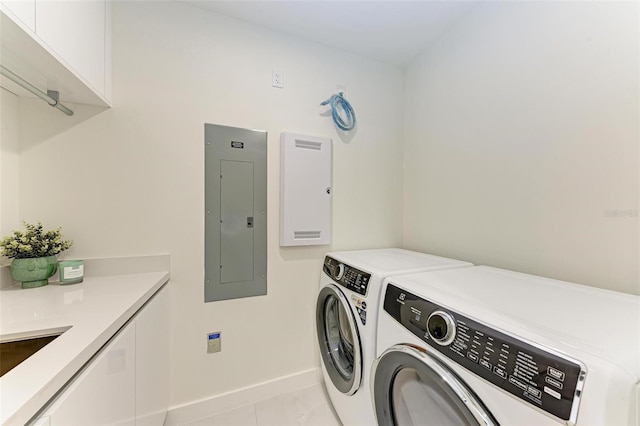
(235, 186)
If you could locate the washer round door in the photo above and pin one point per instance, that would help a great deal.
(339, 339)
(411, 387)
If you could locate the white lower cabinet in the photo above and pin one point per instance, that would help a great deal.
(152, 361)
(127, 383)
(104, 393)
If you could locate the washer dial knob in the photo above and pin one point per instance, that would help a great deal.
(441, 327)
(340, 271)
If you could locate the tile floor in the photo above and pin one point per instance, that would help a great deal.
(307, 407)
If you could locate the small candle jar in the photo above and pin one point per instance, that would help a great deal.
(71, 271)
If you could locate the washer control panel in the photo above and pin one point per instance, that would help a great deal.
(347, 276)
(539, 376)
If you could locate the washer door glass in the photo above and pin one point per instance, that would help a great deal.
(338, 339)
(413, 388)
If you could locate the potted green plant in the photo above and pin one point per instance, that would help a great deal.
(34, 254)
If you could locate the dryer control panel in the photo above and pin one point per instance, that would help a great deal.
(347, 276)
(537, 375)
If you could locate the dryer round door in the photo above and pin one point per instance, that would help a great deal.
(339, 339)
(411, 387)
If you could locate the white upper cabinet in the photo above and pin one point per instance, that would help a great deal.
(59, 45)
(75, 30)
(23, 10)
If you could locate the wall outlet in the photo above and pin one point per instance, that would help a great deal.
(214, 342)
(277, 79)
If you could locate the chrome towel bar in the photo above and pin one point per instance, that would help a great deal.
(52, 97)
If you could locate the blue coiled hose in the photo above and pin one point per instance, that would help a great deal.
(339, 101)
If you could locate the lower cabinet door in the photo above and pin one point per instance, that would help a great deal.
(104, 393)
(152, 360)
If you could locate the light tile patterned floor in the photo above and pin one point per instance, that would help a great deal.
(307, 407)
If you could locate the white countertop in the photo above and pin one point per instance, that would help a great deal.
(94, 310)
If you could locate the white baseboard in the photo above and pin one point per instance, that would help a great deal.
(186, 413)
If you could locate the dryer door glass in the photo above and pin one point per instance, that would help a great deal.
(338, 339)
(339, 336)
(419, 395)
(413, 388)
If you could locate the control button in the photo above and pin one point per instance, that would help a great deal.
(555, 373)
(517, 383)
(553, 382)
(364, 305)
(486, 364)
(500, 372)
(534, 391)
(441, 327)
(552, 392)
(473, 357)
(340, 271)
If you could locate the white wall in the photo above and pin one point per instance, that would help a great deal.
(521, 141)
(9, 166)
(129, 180)
(521, 132)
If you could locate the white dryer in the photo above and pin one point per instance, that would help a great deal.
(346, 314)
(488, 346)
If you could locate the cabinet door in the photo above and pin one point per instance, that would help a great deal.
(24, 10)
(152, 360)
(104, 393)
(76, 30)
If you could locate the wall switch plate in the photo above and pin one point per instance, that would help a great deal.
(277, 79)
(214, 342)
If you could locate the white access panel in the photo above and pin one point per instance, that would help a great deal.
(305, 190)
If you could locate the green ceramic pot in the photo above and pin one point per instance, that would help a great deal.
(34, 272)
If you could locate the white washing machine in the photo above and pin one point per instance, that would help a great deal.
(346, 314)
(488, 346)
